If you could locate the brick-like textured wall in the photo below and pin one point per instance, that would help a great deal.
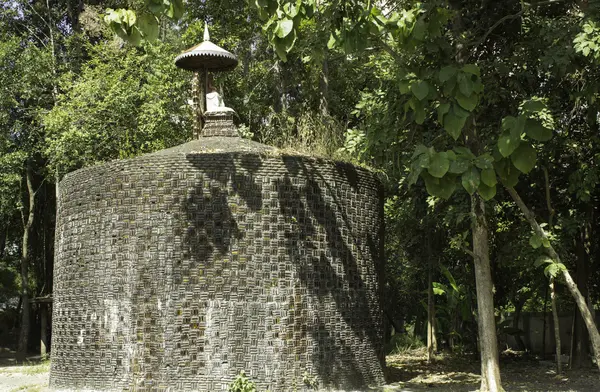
(175, 271)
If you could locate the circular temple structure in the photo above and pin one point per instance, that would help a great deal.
(176, 270)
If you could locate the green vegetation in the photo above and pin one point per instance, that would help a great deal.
(480, 117)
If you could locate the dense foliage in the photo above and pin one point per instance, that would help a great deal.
(450, 102)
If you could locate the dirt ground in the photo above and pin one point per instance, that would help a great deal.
(408, 372)
(30, 376)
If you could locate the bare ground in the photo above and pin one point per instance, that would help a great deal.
(29, 376)
(407, 372)
(411, 372)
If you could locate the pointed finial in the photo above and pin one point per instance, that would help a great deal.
(206, 35)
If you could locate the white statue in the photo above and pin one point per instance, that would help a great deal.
(214, 102)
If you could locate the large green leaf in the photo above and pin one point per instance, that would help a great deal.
(419, 149)
(471, 180)
(176, 9)
(454, 124)
(507, 144)
(507, 172)
(488, 177)
(438, 165)
(535, 241)
(447, 73)
(484, 161)
(486, 192)
(148, 24)
(420, 89)
(459, 166)
(415, 171)
(442, 110)
(542, 259)
(537, 131)
(524, 157)
(472, 69)
(508, 123)
(465, 152)
(533, 106)
(465, 84)
(284, 27)
(440, 187)
(467, 102)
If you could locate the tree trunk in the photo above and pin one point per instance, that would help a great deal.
(490, 368)
(580, 339)
(324, 88)
(25, 261)
(556, 328)
(544, 327)
(3, 233)
(516, 318)
(43, 330)
(431, 341)
(573, 289)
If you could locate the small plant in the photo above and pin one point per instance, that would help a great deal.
(242, 384)
(310, 381)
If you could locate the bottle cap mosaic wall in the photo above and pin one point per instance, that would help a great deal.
(177, 270)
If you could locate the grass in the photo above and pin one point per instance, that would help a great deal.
(36, 368)
(28, 388)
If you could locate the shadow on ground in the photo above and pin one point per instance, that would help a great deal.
(410, 371)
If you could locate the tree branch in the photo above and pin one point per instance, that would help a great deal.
(510, 17)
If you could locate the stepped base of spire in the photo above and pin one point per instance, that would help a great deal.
(219, 124)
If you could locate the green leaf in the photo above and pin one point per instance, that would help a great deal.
(459, 166)
(519, 127)
(471, 180)
(280, 50)
(419, 149)
(284, 27)
(331, 44)
(545, 242)
(424, 160)
(465, 85)
(447, 73)
(553, 269)
(467, 102)
(148, 25)
(176, 9)
(291, 9)
(418, 109)
(507, 172)
(537, 131)
(488, 177)
(508, 123)
(524, 157)
(533, 106)
(438, 165)
(472, 69)
(507, 144)
(415, 171)
(438, 291)
(128, 17)
(535, 241)
(542, 259)
(454, 124)
(442, 110)
(420, 89)
(486, 192)
(484, 161)
(419, 29)
(440, 187)
(464, 151)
